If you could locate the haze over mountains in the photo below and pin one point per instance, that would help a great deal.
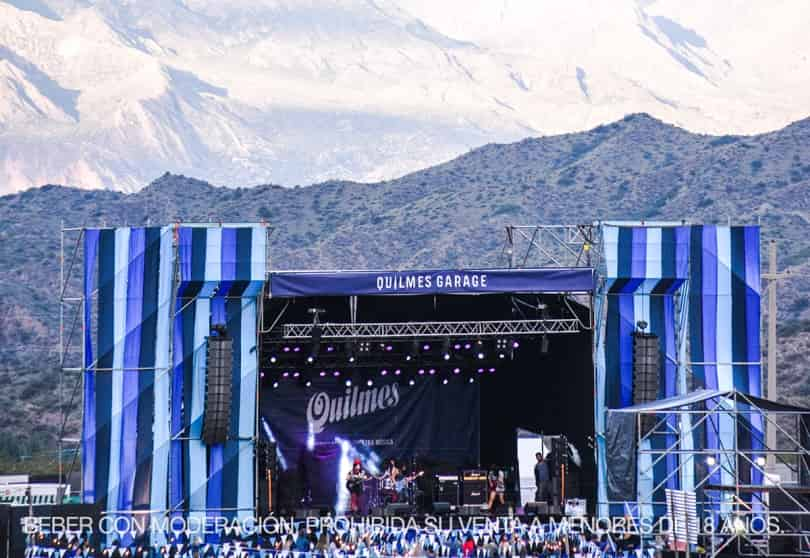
(110, 94)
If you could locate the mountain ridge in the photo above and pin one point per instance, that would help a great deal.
(449, 215)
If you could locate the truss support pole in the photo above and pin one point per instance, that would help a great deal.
(773, 276)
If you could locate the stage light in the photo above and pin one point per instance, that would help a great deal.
(472, 380)
(492, 370)
(501, 356)
(432, 371)
(467, 346)
(296, 349)
(261, 375)
(310, 359)
(296, 374)
(408, 358)
(456, 370)
(710, 461)
(544, 344)
(414, 352)
(411, 382)
(397, 372)
(309, 383)
(446, 349)
(515, 344)
(275, 385)
(760, 461)
(336, 373)
(421, 371)
(389, 348)
(383, 372)
(481, 355)
(330, 348)
(323, 373)
(426, 347)
(273, 359)
(457, 347)
(370, 383)
(286, 349)
(348, 383)
(349, 348)
(444, 382)
(286, 374)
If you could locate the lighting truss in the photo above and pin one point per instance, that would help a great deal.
(391, 330)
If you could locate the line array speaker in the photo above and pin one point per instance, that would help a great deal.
(646, 372)
(218, 388)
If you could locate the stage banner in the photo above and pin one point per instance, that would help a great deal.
(447, 281)
(320, 430)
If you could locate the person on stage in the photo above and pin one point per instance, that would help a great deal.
(354, 483)
(497, 488)
(542, 479)
(390, 478)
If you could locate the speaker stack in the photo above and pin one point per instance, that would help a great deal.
(447, 489)
(646, 372)
(474, 484)
(218, 387)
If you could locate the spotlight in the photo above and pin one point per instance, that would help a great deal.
(389, 348)
(370, 383)
(330, 349)
(446, 349)
(310, 359)
(457, 347)
(760, 461)
(501, 356)
(383, 372)
(309, 383)
(515, 344)
(275, 385)
(426, 347)
(349, 348)
(348, 383)
(273, 359)
(481, 355)
(261, 375)
(411, 382)
(710, 461)
(456, 370)
(467, 346)
(286, 349)
(323, 373)
(480, 370)
(296, 374)
(432, 371)
(444, 382)
(421, 371)
(397, 372)
(296, 349)
(286, 374)
(492, 370)
(336, 373)
(408, 357)
(471, 380)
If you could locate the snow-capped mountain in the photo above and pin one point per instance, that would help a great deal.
(110, 94)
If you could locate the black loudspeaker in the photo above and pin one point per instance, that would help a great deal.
(559, 454)
(398, 509)
(218, 388)
(646, 372)
(474, 488)
(447, 489)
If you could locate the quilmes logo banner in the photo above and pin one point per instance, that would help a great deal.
(447, 281)
(397, 419)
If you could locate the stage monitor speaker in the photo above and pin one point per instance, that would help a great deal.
(536, 508)
(398, 509)
(441, 508)
(218, 388)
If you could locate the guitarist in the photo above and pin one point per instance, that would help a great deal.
(354, 484)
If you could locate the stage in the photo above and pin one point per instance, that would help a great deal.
(214, 385)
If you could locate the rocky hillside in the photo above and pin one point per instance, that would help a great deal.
(451, 214)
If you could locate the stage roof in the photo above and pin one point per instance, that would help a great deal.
(437, 281)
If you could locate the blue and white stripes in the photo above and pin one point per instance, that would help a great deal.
(144, 387)
(699, 283)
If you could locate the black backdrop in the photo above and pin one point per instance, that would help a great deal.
(549, 392)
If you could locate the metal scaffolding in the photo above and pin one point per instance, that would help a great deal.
(736, 501)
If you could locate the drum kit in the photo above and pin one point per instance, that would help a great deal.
(386, 490)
